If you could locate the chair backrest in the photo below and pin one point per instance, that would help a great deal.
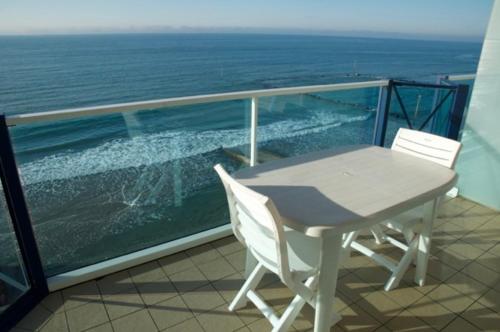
(440, 150)
(257, 224)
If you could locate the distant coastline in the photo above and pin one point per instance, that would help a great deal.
(248, 31)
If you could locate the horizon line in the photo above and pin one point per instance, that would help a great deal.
(246, 30)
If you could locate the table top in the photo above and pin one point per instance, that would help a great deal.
(346, 189)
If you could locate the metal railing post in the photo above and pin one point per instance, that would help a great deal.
(457, 111)
(383, 107)
(253, 131)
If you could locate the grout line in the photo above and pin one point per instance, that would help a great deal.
(104, 304)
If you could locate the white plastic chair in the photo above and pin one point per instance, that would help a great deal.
(291, 255)
(423, 145)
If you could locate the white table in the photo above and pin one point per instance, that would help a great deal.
(325, 194)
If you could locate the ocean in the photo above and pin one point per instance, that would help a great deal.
(101, 187)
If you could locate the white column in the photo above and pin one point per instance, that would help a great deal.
(479, 161)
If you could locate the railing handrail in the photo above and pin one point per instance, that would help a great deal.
(461, 77)
(182, 101)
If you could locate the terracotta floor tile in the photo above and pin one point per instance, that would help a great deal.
(227, 245)
(115, 283)
(380, 306)
(170, 312)
(124, 303)
(188, 280)
(203, 254)
(86, 316)
(220, 320)
(229, 286)
(216, 269)
(156, 291)
(138, 321)
(407, 322)
(190, 325)
(106, 327)
(434, 314)
(35, 319)
(450, 298)
(485, 319)
(81, 294)
(356, 319)
(482, 274)
(57, 323)
(491, 300)
(490, 261)
(467, 285)
(237, 260)
(353, 287)
(54, 302)
(176, 263)
(460, 324)
(147, 272)
(202, 299)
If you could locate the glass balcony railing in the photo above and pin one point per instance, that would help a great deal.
(104, 182)
(298, 124)
(104, 186)
(13, 281)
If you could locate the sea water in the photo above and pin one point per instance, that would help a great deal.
(103, 186)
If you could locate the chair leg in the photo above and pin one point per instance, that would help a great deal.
(408, 234)
(288, 317)
(286, 320)
(403, 265)
(378, 234)
(347, 240)
(251, 283)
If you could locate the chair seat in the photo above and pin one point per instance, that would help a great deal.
(303, 252)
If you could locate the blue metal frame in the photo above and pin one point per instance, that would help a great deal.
(21, 224)
(459, 93)
(457, 111)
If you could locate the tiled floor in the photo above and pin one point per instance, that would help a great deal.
(190, 291)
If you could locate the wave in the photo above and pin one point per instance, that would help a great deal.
(148, 149)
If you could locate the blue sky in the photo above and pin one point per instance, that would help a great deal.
(449, 18)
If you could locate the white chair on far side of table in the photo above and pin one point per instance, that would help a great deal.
(423, 145)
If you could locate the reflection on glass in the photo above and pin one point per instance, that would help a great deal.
(102, 187)
(13, 282)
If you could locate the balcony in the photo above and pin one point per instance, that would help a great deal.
(190, 290)
(132, 224)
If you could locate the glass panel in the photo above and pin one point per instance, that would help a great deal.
(13, 281)
(418, 104)
(294, 125)
(102, 187)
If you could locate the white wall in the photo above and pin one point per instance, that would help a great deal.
(479, 162)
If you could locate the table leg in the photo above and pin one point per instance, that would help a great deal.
(424, 244)
(331, 248)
